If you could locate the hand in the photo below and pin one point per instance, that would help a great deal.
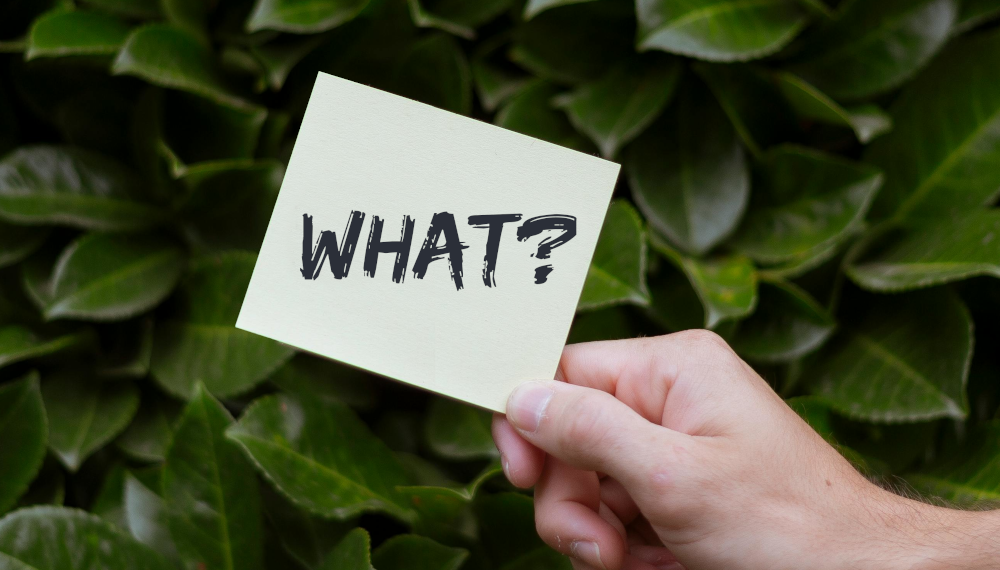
(672, 453)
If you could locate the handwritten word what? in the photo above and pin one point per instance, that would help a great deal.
(442, 241)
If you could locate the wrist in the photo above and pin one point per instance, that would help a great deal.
(910, 535)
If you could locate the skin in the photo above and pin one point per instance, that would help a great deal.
(671, 452)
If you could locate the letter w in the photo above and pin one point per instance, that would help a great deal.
(326, 247)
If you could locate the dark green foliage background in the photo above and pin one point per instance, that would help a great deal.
(816, 182)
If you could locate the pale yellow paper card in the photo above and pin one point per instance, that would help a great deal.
(366, 151)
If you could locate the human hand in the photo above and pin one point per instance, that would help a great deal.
(671, 452)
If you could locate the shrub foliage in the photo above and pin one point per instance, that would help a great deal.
(815, 181)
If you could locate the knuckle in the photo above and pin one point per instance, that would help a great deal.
(707, 341)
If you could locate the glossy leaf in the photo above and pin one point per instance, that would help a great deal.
(69, 186)
(443, 504)
(312, 377)
(803, 203)
(577, 42)
(24, 431)
(719, 30)
(146, 514)
(507, 526)
(352, 553)
(530, 112)
(973, 13)
(150, 432)
(874, 46)
(944, 151)
(210, 491)
(321, 456)
(543, 558)
(435, 71)
(617, 271)
(75, 32)
(85, 414)
(280, 56)
(172, 57)
(787, 324)
(970, 473)
(19, 343)
(906, 359)
(457, 431)
(534, 7)
(130, 8)
(726, 286)
(230, 202)
(617, 107)
(494, 83)
(109, 277)
(931, 252)
(307, 538)
(412, 552)
(201, 342)
(755, 106)
(867, 121)
(456, 16)
(302, 16)
(85, 542)
(688, 174)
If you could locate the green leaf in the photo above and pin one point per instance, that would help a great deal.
(106, 277)
(754, 105)
(534, 7)
(435, 71)
(412, 552)
(150, 432)
(24, 430)
(201, 343)
(69, 186)
(18, 242)
(688, 174)
(867, 121)
(507, 528)
(907, 359)
(804, 202)
(85, 414)
(726, 286)
(441, 505)
(188, 14)
(19, 343)
(302, 16)
(875, 46)
(126, 349)
(280, 56)
(944, 151)
(75, 32)
(312, 377)
(575, 43)
(929, 252)
(305, 537)
(352, 553)
(620, 105)
(543, 558)
(973, 13)
(787, 324)
(458, 431)
(210, 491)
(494, 83)
(321, 456)
(224, 133)
(617, 271)
(84, 542)
(172, 57)
(457, 17)
(146, 515)
(969, 473)
(129, 8)
(612, 323)
(530, 112)
(230, 202)
(719, 30)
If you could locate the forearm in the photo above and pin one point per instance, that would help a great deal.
(918, 536)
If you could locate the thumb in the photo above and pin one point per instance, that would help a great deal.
(592, 430)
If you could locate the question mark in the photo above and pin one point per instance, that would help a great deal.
(538, 224)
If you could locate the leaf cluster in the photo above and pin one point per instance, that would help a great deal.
(815, 180)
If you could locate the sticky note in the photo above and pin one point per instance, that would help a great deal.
(425, 246)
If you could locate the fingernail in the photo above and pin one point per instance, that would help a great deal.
(526, 406)
(506, 467)
(586, 552)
